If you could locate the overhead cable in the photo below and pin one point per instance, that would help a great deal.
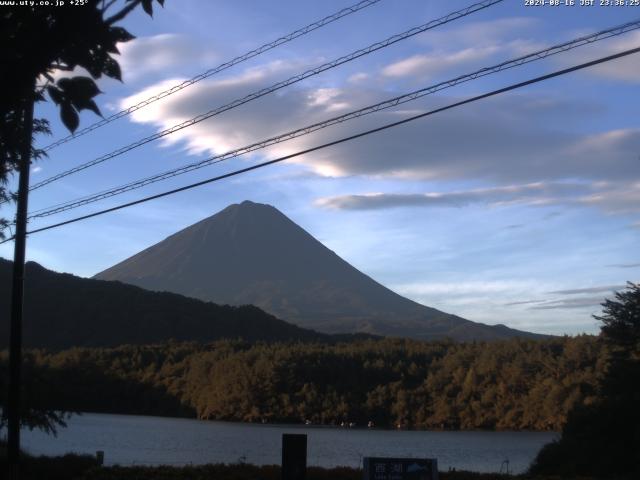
(341, 140)
(277, 86)
(223, 66)
(531, 57)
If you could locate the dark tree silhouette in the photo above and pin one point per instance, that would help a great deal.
(39, 41)
(621, 322)
(37, 391)
(603, 439)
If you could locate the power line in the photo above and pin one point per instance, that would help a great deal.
(538, 55)
(242, 58)
(343, 140)
(265, 91)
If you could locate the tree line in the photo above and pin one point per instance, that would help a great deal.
(515, 384)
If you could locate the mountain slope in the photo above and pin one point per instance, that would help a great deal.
(253, 254)
(62, 310)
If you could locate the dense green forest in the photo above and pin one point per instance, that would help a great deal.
(515, 384)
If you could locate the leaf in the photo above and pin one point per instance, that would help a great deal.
(147, 6)
(91, 105)
(93, 63)
(64, 83)
(119, 34)
(83, 87)
(76, 92)
(87, 104)
(161, 2)
(112, 69)
(56, 95)
(69, 117)
(41, 125)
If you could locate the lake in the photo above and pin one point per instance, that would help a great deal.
(139, 440)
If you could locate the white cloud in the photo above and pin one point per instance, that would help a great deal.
(486, 32)
(463, 288)
(152, 58)
(575, 298)
(533, 193)
(619, 199)
(534, 305)
(269, 115)
(358, 77)
(469, 45)
(610, 198)
(427, 65)
(513, 143)
(160, 55)
(475, 43)
(571, 303)
(598, 289)
(327, 98)
(624, 69)
(499, 139)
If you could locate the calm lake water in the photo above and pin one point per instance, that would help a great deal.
(129, 440)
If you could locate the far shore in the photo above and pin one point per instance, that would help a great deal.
(356, 426)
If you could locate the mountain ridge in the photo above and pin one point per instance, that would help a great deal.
(63, 311)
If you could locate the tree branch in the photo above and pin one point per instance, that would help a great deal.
(122, 13)
(108, 5)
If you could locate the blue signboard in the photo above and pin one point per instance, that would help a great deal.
(379, 468)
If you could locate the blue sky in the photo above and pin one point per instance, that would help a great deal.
(523, 209)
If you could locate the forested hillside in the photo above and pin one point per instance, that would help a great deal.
(63, 311)
(513, 384)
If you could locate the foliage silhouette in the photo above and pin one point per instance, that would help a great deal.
(603, 438)
(40, 41)
(35, 410)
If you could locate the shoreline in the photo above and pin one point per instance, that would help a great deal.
(179, 441)
(356, 427)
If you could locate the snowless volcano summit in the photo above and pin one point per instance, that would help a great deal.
(251, 253)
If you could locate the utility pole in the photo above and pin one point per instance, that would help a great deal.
(17, 292)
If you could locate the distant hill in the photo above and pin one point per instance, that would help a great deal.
(62, 310)
(251, 253)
